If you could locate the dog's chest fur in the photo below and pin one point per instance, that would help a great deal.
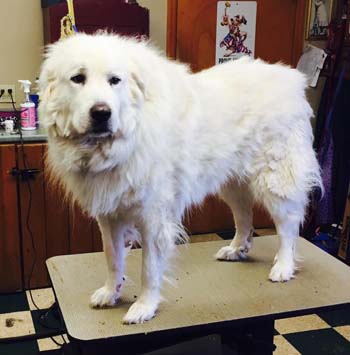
(104, 193)
(97, 192)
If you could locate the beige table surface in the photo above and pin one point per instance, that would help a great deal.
(207, 291)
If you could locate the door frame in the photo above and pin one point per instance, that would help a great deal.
(171, 37)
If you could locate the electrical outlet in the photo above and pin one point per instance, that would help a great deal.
(6, 98)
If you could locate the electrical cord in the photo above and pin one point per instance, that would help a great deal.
(2, 92)
(56, 342)
(24, 161)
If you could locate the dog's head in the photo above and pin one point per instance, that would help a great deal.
(91, 89)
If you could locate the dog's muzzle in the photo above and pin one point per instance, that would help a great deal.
(100, 115)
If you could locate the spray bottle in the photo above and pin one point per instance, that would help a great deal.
(28, 114)
(34, 96)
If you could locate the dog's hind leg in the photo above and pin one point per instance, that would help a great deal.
(240, 200)
(158, 244)
(287, 216)
(115, 252)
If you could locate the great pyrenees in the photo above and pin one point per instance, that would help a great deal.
(135, 139)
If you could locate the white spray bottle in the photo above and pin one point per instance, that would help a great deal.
(28, 114)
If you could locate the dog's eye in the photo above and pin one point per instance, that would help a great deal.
(114, 80)
(78, 79)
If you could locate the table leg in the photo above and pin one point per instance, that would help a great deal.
(252, 339)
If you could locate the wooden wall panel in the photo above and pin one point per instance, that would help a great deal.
(96, 237)
(214, 216)
(32, 199)
(68, 230)
(56, 227)
(81, 234)
(57, 218)
(10, 247)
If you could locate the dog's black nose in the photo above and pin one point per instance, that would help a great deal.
(100, 112)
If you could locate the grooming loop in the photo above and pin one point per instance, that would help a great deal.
(68, 27)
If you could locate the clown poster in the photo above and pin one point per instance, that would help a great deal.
(235, 30)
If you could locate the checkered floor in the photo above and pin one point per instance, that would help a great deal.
(20, 318)
(323, 333)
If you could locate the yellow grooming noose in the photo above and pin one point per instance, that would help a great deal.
(68, 26)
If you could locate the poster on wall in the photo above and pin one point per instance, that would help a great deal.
(318, 18)
(235, 30)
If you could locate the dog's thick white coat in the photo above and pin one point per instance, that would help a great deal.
(241, 129)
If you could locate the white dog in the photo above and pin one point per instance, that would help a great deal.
(135, 139)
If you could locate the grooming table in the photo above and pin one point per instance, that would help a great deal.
(232, 304)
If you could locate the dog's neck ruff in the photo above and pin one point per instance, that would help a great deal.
(89, 155)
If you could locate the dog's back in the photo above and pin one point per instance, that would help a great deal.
(254, 123)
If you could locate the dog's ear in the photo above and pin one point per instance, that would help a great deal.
(47, 84)
(137, 83)
(46, 89)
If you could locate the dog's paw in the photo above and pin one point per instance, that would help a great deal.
(104, 297)
(140, 312)
(232, 253)
(282, 271)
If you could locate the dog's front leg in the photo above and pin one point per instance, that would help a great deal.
(157, 246)
(115, 252)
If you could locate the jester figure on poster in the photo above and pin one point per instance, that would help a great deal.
(234, 40)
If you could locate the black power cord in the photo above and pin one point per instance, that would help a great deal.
(24, 161)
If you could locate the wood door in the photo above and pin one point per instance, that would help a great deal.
(192, 31)
(191, 38)
(10, 246)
